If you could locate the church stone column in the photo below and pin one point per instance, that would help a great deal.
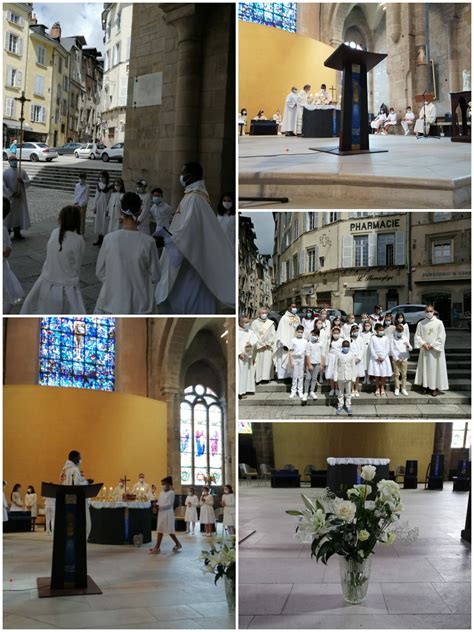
(454, 78)
(442, 443)
(230, 461)
(186, 20)
(172, 397)
(263, 443)
(422, 75)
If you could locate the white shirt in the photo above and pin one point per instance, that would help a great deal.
(392, 118)
(81, 194)
(314, 351)
(400, 348)
(162, 214)
(409, 116)
(298, 347)
(344, 368)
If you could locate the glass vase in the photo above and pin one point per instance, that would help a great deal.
(355, 578)
(229, 585)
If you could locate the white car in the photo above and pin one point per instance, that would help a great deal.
(413, 313)
(113, 153)
(34, 152)
(90, 150)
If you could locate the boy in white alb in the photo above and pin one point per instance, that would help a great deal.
(81, 198)
(313, 356)
(297, 351)
(390, 122)
(408, 121)
(400, 349)
(344, 374)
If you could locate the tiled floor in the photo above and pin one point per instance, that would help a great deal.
(139, 590)
(426, 585)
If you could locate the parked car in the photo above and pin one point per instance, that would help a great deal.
(90, 150)
(34, 152)
(413, 313)
(113, 153)
(68, 148)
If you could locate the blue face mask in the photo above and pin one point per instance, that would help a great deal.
(156, 199)
(314, 338)
(345, 349)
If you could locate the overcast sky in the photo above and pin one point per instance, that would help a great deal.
(75, 19)
(264, 229)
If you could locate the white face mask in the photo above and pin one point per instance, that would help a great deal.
(101, 186)
(429, 314)
(182, 181)
(355, 334)
(299, 335)
(141, 480)
(227, 205)
(117, 187)
(336, 336)
(263, 316)
(294, 310)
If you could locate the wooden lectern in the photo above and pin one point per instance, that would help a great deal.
(69, 568)
(354, 130)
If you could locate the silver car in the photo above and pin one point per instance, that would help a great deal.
(36, 152)
(413, 313)
(90, 150)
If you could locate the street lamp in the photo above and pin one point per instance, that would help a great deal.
(22, 100)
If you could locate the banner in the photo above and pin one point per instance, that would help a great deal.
(356, 88)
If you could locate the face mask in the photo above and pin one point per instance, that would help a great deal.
(367, 329)
(429, 314)
(117, 187)
(141, 480)
(294, 91)
(82, 182)
(398, 336)
(299, 335)
(309, 315)
(13, 164)
(355, 335)
(380, 334)
(247, 327)
(294, 310)
(314, 338)
(101, 186)
(140, 189)
(263, 316)
(182, 181)
(399, 320)
(244, 113)
(156, 199)
(227, 205)
(336, 336)
(351, 320)
(388, 322)
(337, 322)
(426, 102)
(345, 349)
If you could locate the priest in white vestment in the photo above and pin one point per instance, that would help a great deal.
(71, 475)
(119, 491)
(246, 342)
(141, 487)
(264, 329)
(430, 110)
(285, 333)
(15, 183)
(430, 338)
(303, 99)
(290, 113)
(323, 96)
(198, 261)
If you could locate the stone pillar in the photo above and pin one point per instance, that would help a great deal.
(308, 20)
(229, 465)
(422, 73)
(172, 397)
(186, 20)
(453, 56)
(442, 443)
(263, 443)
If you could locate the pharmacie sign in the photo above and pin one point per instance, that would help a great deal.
(374, 224)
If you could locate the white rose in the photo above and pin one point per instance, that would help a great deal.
(388, 490)
(364, 535)
(346, 510)
(368, 472)
(370, 505)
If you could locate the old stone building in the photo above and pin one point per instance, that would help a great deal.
(255, 272)
(181, 96)
(90, 110)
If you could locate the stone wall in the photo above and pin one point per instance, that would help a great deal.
(194, 47)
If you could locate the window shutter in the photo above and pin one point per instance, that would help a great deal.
(18, 79)
(9, 75)
(316, 258)
(283, 273)
(325, 217)
(43, 114)
(7, 35)
(316, 215)
(372, 249)
(32, 112)
(21, 21)
(347, 251)
(20, 46)
(306, 221)
(123, 91)
(128, 48)
(9, 15)
(399, 248)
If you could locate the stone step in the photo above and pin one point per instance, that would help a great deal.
(310, 413)
(281, 387)
(414, 399)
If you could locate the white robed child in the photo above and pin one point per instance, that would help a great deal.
(297, 350)
(334, 346)
(400, 348)
(308, 321)
(324, 333)
(207, 516)
(166, 518)
(101, 202)
(379, 364)
(314, 360)
(31, 504)
(145, 214)
(114, 206)
(264, 329)
(228, 502)
(57, 289)
(284, 335)
(365, 338)
(127, 266)
(81, 198)
(226, 217)
(190, 515)
(430, 339)
(160, 211)
(358, 349)
(246, 341)
(15, 183)
(198, 267)
(12, 290)
(344, 373)
(347, 327)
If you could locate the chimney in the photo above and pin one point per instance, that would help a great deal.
(55, 31)
(34, 19)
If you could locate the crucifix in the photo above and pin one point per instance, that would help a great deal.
(125, 481)
(22, 100)
(333, 90)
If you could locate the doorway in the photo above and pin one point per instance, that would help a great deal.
(441, 301)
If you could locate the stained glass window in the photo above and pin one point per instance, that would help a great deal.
(78, 352)
(281, 15)
(245, 427)
(201, 437)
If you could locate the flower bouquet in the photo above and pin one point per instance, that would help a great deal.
(220, 561)
(351, 528)
(209, 480)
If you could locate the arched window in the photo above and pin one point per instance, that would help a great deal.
(77, 352)
(201, 434)
(281, 15)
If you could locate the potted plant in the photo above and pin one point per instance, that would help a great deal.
(220, 561)
(351, 528)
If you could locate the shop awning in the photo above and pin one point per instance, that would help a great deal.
(16, 125)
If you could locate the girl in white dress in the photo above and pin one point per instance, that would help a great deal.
(207, 516)
(334, 346)
(190, 515)
(228, 502)
(347, 327)
(324, 340)
(400, 320)
(357, 348)
(308, 323)
(114, 208)
(15, 498)
(101, 201)
(379, 363)
(226, 216)
(166, 517)
(127, 266)
(12, 290)
(31, 504)
(366, 337)
(57, 291)
(389, 325)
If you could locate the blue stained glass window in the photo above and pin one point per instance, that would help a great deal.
(281, 15)
(78, 353)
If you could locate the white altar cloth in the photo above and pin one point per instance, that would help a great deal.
(120, 504)
(355, 461)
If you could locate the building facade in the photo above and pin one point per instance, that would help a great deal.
(350, 260)
(77, 88)
(90, 110)
(441, 264)
(16, 21)
(256, 274)
(117, 27)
